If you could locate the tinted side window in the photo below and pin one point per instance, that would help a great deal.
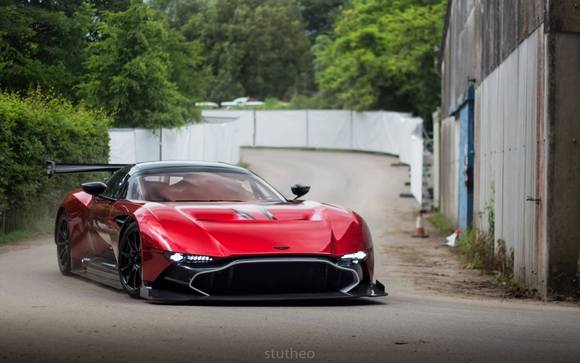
(115, 183)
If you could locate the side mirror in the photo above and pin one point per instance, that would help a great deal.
(299, 190)
(94, 188)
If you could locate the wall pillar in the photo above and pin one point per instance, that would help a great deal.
(563, 163)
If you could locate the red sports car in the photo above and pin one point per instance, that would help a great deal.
(183, 231)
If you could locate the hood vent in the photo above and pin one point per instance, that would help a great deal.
(247, 212)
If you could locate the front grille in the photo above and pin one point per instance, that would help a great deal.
(289, 276)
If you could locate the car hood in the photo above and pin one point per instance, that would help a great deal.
(237, 229)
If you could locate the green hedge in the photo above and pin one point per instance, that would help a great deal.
(33, 129)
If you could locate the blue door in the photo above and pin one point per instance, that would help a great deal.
(466, 181)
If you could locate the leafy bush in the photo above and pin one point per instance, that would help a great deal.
(319, 101)
(34, 129)
(273, 103)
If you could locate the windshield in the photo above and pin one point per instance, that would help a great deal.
(201, 186)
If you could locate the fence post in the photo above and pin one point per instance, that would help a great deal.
(351, 136)
(254, 131)
(160, 143)
(307, 129)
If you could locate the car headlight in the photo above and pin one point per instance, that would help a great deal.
(354, 257)
(185, 258)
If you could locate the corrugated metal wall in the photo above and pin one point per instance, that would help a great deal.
(449, 168)
(509, 112)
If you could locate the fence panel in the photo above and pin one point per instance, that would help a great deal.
(281, 128)
(329, 129)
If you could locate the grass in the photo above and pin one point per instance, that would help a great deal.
(243, 164)
(441, 223)
(478, 249)
(37, 227)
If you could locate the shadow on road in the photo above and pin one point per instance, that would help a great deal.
(254, 303)
(282, 303)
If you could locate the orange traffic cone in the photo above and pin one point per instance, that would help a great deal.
(420, 227)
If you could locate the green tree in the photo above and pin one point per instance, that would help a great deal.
(382, 55)
(42, 46)
(320, 15)
(253, 47)
(141, 71)
(43, 43)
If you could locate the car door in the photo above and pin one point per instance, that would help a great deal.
(105, 227)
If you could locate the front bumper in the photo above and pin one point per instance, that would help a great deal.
(264, 279)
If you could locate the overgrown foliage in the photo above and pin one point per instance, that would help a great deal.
(34, 129)
(478, 248)
(483, 252)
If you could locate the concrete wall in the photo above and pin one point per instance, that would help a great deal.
(563, 167)
(479, 36)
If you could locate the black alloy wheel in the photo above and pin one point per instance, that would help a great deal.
(130, 266)
(62, 240)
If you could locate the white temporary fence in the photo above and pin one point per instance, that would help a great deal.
(203, 141)
(220, 139)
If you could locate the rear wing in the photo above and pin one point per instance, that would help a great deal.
(54, 168)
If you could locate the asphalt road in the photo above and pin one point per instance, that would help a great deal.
(47, 317)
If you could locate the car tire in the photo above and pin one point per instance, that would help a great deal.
(130, 260)
(62, 240)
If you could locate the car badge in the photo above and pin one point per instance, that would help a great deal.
(281, 248)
